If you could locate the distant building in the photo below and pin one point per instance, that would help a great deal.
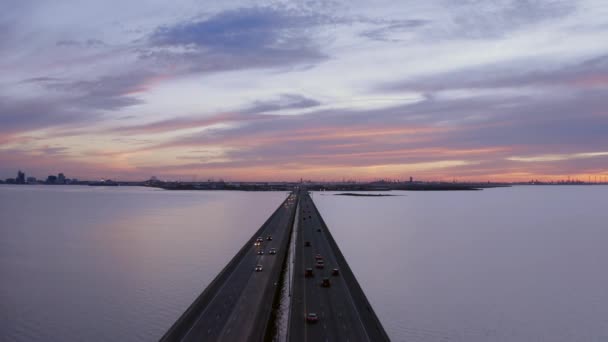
(411, 179)
(61, 178)
(10, 181)
(52, 179)
(31, 180)
(20, 177)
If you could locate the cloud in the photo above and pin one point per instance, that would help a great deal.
(588, 73)
(18, 116)
(557, 157)
(42, 79)
(106, 93)
(539, 107)
(109, 93)
(89, 43)
(502, 127)
(240, 38)
(388, 28)
(75, 102)
(261, 110)
(493, 19)
(284, 102)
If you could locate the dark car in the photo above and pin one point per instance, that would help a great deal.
(320, 264)
(261, 252)
(325, 282)
(318, 257)
(335, 272)
(308, 273)
(272, 251)
(312, 318)
(258, 268)
(307, 243)
(318, 229)
(269, 238)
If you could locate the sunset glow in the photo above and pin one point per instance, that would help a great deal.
(252, 90)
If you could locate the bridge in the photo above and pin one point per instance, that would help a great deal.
(238, 304)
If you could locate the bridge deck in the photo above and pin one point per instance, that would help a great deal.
(343, 310)
(236, 306)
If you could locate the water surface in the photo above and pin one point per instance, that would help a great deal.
(116, 263)
(122, 263)
(514, 264)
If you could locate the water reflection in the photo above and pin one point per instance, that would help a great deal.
(516, 264)
(81, 263)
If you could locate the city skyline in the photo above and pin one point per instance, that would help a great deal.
(510, 90)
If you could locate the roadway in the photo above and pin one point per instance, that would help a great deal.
(343, 310)
(237, 305)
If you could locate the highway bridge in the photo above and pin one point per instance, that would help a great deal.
(343, 311)
(237, 305)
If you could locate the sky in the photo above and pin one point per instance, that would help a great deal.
(504, 90)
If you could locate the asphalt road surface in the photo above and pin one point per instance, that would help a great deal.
(343, 310)
(237, 305)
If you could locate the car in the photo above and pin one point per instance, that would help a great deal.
(309, 216)
(320, 264)
(318, 257)
(269, 238)
(272, 251)
(261, 252)
(308, 273)
(259, 239)
(335, 272)
(258, 268)
(307, 243)
(312, 317)
(325, 282)
(318, 229)
(257, 243)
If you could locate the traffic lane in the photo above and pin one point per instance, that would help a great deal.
(212, 321)
(314, 302)
(342, 313)
(240, 321)
(318, 301)
(370, 322)
(338, 315)
(223, 303)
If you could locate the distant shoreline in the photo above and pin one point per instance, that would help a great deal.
(365, 195)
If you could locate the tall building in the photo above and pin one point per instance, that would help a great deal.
(20, 177)
(61, 178)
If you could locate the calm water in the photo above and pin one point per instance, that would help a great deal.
(113, 264)
(517, 264)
